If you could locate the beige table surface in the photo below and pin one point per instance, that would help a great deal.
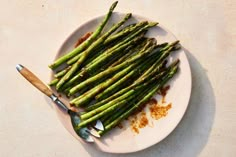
(31, 31)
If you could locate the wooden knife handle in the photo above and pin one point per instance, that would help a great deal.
(34, 80)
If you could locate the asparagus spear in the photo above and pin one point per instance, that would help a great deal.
(111, 80)
(153, 70)
(83, 74)
(124, 32)
(109, 107)
(127, 27)
(74, 59)
(105, 64)
(106, 72)
(124, 46)
(86, 43)
(158, 64)
(104, 55)
(166, 51)
(93, 45)
(101, 39)
(132, 51)
(98, 52)
(120, 45)
(132, 93)
(109, 118)
(119, 100)
(90, 117)
(81, 40)
(62, 72)
(114, 40)
(112, 116)
(125, 90)
(53, 82)
(141, 102)
(132, 74)
(91, 93)
(110, 70)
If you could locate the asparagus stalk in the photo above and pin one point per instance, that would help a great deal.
(73, 60)
(109, 118)
(119, 46)
(98, 51)
(53, 82)
(104, 56)
(166, 51)
(84, 73)
(114, 40)
(93, 45)
(62, 72)
(90, 117)
(81, 100)
(127, 27)
(90, 94)
(124, 32)
(119, 100)
(75, 89)
(83, 38)
(132, 51)
(123, 91)
(105, 64)
(153, 70)
(110, 70)
(141, 102)
(131, 94)
(106, 119)
(86, 43)
(132, 74)
(109, 107)
(118, 85)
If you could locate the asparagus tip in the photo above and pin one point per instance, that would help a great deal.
(175, 42)
(153, 24)
(128, 15)
(176, 47)
(143, 23)
(176, 62)
(113, 6)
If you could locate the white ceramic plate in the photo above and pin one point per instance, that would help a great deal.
(125, 140)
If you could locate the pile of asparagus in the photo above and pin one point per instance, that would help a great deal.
(111, 74)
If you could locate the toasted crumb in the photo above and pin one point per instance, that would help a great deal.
(82, 39)
(158, 111)
(143, 120)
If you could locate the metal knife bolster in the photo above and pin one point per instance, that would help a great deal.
(60, 104)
